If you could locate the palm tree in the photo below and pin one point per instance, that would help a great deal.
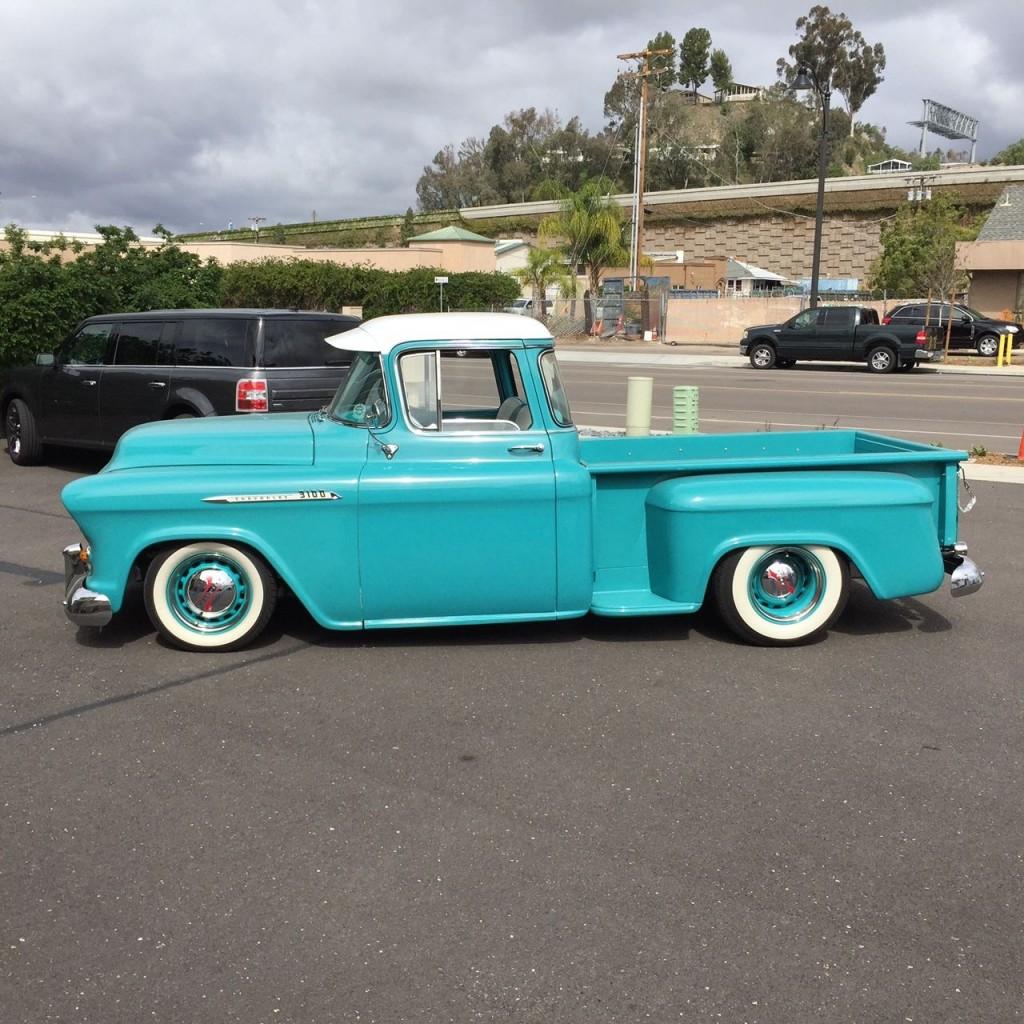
(543, 268)
(589, 227)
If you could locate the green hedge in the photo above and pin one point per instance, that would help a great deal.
(46, 289)
(313, 284)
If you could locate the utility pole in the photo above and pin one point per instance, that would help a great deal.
(644, 73)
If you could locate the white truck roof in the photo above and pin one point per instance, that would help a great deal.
(384, 333)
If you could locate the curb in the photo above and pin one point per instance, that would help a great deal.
(650, 358)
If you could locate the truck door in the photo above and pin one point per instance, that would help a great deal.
(459, 524)
(798, 336)
(836, 333)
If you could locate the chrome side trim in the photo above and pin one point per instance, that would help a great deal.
(246, 499)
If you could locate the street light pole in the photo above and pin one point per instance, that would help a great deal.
(807, 79)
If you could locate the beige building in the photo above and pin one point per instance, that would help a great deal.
(995, 260)
(453, 249)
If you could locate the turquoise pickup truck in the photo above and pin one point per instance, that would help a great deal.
(446, 485)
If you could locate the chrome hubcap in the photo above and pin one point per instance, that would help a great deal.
(210, 592)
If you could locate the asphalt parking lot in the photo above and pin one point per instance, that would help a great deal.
(592, 821)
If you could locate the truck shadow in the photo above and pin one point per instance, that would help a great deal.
(865, 615)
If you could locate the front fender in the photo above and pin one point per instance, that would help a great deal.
(885, 523)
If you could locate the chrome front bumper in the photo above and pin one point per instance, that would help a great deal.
(964, 576)
(82, 606)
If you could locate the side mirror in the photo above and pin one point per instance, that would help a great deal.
(45, 359)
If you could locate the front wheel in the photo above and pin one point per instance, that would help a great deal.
(209, 596)
(23, 444)
(988, 345)
(762, 356)
(882, 360)
(780, 596)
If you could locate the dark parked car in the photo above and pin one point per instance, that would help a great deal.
(116, 371)
(969, 329)
(838, 333)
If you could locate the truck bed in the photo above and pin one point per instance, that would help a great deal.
(625, 469)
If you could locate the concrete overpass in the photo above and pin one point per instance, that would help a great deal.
(772, 224)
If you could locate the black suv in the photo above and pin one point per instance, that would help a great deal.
(969, 329)
(118, 370)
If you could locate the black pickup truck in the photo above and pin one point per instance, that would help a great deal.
(840, 334)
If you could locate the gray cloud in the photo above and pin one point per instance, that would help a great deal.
(200, 113)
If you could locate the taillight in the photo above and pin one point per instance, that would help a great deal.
(922, 337)
(886, 320)
(252, 396)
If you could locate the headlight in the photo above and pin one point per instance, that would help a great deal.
(1011, 328)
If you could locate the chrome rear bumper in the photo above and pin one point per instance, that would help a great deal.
(82, 606)
(964, 576)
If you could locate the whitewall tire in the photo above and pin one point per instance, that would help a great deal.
(781, 595)
(209, 596)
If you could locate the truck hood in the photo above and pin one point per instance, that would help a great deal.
(282, 439)
(761, 328)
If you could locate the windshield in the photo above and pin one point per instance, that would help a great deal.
(362, 399)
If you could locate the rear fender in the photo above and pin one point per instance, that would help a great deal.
(885, 524)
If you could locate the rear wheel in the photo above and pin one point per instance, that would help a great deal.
(778, 596)
(988, 345)
(762, 356)
(882, 359)
(23, 444)
(209, 596)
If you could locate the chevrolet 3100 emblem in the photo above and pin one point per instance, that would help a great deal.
(242, 499)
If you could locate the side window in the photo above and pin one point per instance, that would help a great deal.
(835, 316)
(808, 318)
(289, 342)
(464, 391)
(217, 341)
(88, 346)
(138, 343)
(868, 316)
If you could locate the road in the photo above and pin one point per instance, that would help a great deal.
(588, 822)
(954, 410)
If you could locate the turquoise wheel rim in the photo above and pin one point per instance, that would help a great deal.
(209, 593)
(786, 585)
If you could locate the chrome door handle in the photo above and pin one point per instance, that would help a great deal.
(526, 449)
(88, 382)
(157, 384)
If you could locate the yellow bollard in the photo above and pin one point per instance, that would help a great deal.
(1004, 357)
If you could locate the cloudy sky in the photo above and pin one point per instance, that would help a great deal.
(197, 113)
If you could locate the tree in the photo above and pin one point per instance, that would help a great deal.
(919, 249)
(836, 56)
(721, 71)
(543, 268)
(663, 67)
(408, 228)
(1013, 154)
(859, 76)
(589, 228)
(694, 55)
